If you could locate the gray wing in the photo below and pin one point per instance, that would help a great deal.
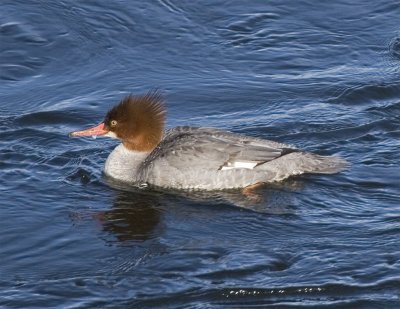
(215, 149)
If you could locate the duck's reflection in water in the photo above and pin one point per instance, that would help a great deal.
(134, 216)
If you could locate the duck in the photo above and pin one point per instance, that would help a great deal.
(195, 158)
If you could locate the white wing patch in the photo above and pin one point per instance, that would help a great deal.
(239, 164)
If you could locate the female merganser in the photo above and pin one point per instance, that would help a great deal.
(195, 158)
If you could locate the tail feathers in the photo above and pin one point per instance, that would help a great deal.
(325, 164)
(298, 163)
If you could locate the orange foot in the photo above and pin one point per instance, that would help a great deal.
(250, 193)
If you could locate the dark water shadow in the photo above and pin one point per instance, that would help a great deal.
(133, 217)
(136, 213)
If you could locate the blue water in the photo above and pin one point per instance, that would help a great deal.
(323, 76)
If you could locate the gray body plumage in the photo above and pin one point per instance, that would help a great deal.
(212, 159)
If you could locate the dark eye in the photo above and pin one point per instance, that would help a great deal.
(113, 123)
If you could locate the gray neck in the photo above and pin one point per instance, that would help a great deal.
(122, 164)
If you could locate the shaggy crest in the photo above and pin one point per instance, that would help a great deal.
(138, 121)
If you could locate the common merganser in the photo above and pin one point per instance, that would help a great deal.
(195, 157)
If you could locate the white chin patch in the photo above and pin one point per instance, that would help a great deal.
(111, 134)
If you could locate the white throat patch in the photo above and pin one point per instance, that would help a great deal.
(111, 134)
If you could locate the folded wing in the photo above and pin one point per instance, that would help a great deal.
(214, 149)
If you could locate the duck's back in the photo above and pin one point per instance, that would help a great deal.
(211, 159)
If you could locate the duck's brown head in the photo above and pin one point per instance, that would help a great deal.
(138, 121)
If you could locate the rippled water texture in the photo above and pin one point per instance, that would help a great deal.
(323, 76)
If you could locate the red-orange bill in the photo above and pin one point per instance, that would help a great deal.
(94, 131)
